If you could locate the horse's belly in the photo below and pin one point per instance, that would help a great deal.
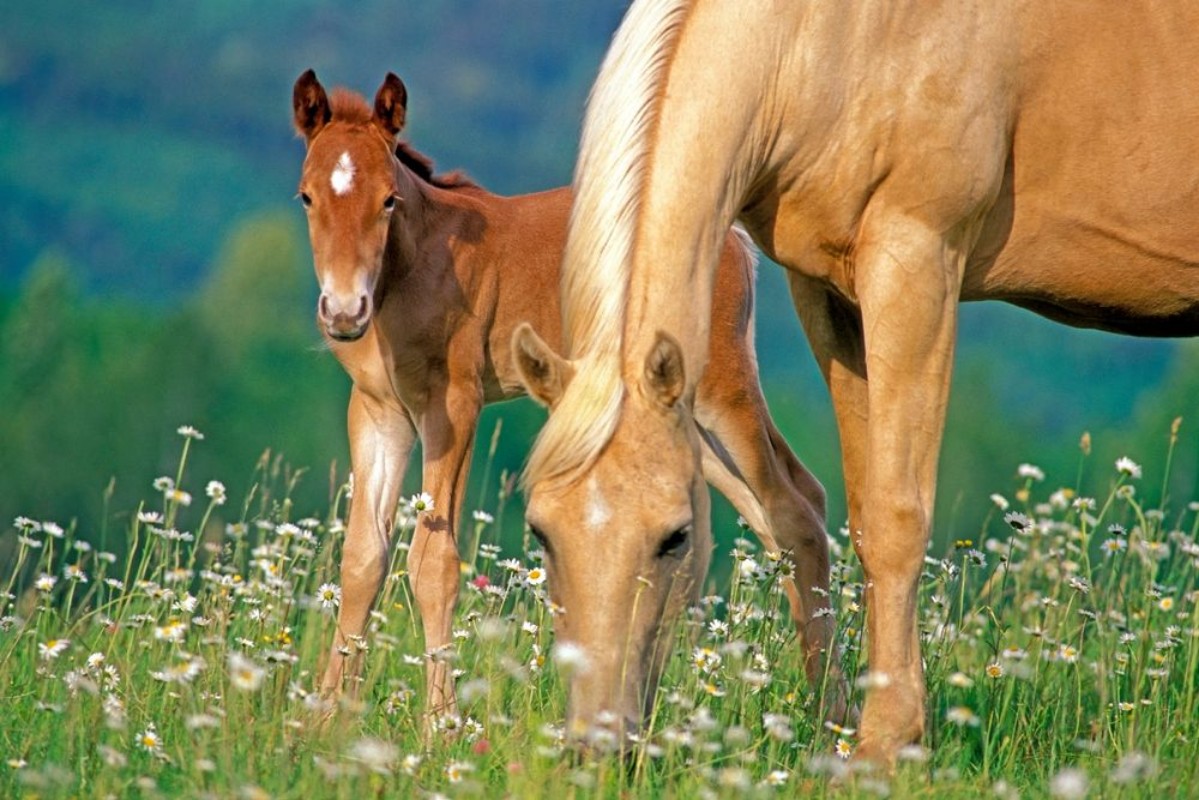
(1093, 274)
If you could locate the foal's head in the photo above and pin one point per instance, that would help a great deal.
(627, 543)
(349, 188)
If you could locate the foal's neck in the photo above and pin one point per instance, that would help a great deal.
(420, 218)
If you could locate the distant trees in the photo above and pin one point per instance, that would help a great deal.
(94, 390)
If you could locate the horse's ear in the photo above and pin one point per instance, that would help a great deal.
(310, 105)
(391, 105)
(543, 372)
(665, 378)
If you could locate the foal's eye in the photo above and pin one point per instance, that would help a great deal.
(305, 200)
(539, 536)
(390, 203)
(675, 543)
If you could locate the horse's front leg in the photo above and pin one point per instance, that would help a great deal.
(908, 285)
(448, 433)
(381, 439)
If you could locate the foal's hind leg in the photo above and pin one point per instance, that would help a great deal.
(381, 439)
(448, 433)
(784, 504)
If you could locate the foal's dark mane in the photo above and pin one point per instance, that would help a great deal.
(422, 166)
(352, 108)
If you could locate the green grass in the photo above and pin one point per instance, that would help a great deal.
(1059, 641)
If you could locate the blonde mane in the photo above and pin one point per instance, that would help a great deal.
(613, 156)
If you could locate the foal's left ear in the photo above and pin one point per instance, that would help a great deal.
(543, 372)
(309, 105)
(391, 105)
(665, 377)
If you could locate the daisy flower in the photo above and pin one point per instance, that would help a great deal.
(570, 657)
(705, 659)
(1069, 784)
(422, 503)
(535, 576)
(173, 631)
(149, 740)
(216, 492)
(244, 673)
(456, 771)
(961, 715)
(53, 649)
(1068, 653)
(1030, 471)
(375, 754)
(329, 595)
(1127, 467)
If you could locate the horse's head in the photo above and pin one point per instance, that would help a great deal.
(627, 543)
(349, 188)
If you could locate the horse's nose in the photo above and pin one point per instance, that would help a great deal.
(345, 317)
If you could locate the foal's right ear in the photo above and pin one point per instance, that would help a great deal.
(391, 105)
(309, 105)
(543, 372)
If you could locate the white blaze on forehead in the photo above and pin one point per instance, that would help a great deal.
(342, 178)
(598, 512)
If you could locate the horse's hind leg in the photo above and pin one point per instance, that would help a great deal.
(748, 461)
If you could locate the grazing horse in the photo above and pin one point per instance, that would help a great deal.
(896, 158)
(423, 280)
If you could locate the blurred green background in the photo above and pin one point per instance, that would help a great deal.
(154, 269)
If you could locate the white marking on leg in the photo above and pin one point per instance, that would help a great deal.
(342, 178)
(598, 512)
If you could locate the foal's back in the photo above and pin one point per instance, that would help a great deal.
(513, 274)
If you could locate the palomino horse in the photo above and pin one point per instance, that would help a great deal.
(423, 280)
(896, 158)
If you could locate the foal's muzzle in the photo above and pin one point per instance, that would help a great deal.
(344, 319)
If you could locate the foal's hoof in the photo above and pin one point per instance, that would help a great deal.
(872, 758)
(835, 707)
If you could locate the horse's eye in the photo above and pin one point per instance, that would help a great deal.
(540, 537)
(675, 543)
(305, 200)
(390, 203)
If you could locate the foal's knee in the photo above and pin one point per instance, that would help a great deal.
(362, 565)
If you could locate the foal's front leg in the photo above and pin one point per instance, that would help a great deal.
(448, 433)
(381, 439)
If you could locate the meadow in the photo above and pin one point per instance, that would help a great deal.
(172, 650)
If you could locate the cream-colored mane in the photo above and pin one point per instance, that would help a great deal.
(613, 154)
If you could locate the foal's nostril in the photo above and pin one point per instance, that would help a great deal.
(361, 308)
(323, 306)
